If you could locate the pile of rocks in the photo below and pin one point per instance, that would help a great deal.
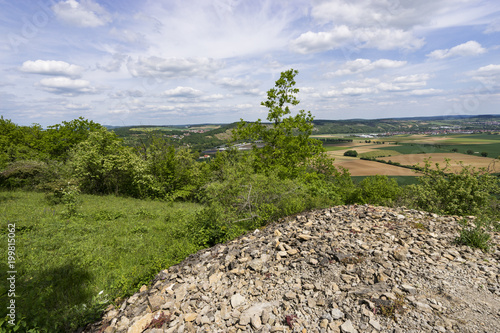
(341, 269)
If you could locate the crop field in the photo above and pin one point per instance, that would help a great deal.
(492, 165)
(444, 139)
(379, 153)
(413, 149)
(205, 127)
(359, 167)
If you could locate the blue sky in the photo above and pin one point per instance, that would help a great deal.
(197, 61)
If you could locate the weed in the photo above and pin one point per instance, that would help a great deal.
(476, 236)
(106, 215)
(290, 320)
(158, 321)
(146, 214)
(389, 308)
(419, 225)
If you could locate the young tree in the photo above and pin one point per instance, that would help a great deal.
(102, 165)
(287, 143)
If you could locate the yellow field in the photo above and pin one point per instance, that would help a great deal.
(476, 161)
(359, 147)
(359, 167)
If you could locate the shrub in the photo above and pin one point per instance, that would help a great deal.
(103, 166)
(465, 192)
(351, 153)
(379, 190)
(27, 174)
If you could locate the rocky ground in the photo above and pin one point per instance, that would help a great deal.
(341, 269)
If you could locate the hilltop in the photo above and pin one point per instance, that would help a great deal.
(341, 269)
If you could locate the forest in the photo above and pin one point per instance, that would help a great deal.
(77, 182)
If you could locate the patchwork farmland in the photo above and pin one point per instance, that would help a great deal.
(477, 150)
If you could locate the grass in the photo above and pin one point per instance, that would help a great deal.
(416, 148)
(475, 236)
(111, 244)
(335, 147)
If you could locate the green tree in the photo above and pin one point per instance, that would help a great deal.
(102, 165)
(61, 138)
(351, 153)
(287, 143)
(175, 170)
(19, 142)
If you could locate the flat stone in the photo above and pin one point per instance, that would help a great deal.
(337, 314)
(347, 327)
(408, 288)
(375, 324)
(139, 325)
(237, 300)
(190, 316)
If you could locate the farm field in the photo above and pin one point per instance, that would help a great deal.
(492, 165)
(414, 149)
(359, 167)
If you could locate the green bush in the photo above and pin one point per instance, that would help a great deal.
(351, 153)
(27, 174)
(465, 192)
(379, 190)
(102, 165)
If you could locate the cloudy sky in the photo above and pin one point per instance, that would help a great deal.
(211, 61)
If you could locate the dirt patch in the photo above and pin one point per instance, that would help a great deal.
(490, 164)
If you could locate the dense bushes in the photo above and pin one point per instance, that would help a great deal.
(466, 192)
(351, 153)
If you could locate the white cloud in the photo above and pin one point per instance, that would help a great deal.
(365, 65)
(471, 48)
(232, 83)
(425, 92)
(493, 27)
(127, 35)
(213, 97)
(411, 84)
(126, 93)
(51, 67)
(354, 91)
(66, 86)
(173, 67)
(405, 83)
(182, 92)
(85, 13)
(347, 37)
(399, 14)
(73, 106)
(114, 64)
(487, 75)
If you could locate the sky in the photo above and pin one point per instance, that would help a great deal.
(172, 62)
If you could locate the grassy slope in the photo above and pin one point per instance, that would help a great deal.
(113, 244)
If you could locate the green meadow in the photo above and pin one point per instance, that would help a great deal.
(70, 267)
